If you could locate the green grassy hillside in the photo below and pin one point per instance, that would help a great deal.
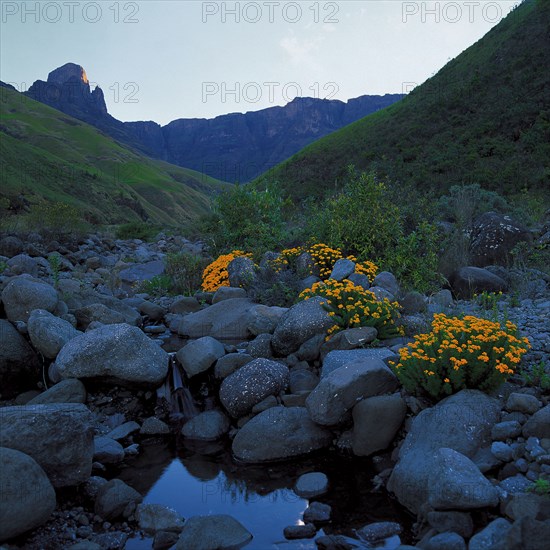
(47, 155)
(484, 118)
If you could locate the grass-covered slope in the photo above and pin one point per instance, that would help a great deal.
(47, 155)
(484, 118)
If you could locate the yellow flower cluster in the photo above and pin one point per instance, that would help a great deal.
(352, 306)
(287, 258)
(325, 257)
(215, 274)
(467, 352)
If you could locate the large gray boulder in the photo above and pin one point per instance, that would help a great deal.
(66, 391)
(49, 333)
(27, 497)
(113, 497)
(58, 436)
(470, 280)
(279, 433)
(376, 421)
(19, 364)
(141, 272)
(242, 272)
(457, 484)
(461, 422)
(206, 426)
(300, 323)
(539, 424)
(22, 295)
(227, 320)
(198, 356)
(121, 354)
(86, 315)
(251, 384)
(340, 357)
(155, 517)
(216, 532)
(339, 391)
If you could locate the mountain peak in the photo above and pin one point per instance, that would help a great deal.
(68, 72)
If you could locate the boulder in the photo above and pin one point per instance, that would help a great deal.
(338, 358)
(227, 320)
(11, 246)
(107, 450)
(185, 304)
(522, 402)
(493, 237)
(539, 424)
(229, 363)
(49, 333)
(448, 520)
(352, 338)
(445, 541)
(23, 263)
(216, 532)
(206, 426)
(311, 485)
(493, 533)
(154, 426)
(27, 497)
(155, 517)
(58, 436)
(300, 323)
(19, 364)
(462, 422)
(251, 384)
(153, 311)
(342, 269)
(66, 391)
(263, 319)
(22, 295)
(376, 421)
(121, 354)
(279, 433)
(141, 272)
(260, 346)
(100, 313)
(456, 483)
(317, 512)
(376, 533)
(198, 356)
(387, 281)
(242, 272)
(340, 390)
(113, 497)
(469, 280)
(227, 293)
(124, 430)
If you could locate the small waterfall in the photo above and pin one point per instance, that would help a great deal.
(176, 393)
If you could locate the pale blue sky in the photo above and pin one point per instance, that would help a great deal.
(162, 60)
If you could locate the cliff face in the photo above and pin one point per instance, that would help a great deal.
(234, 147)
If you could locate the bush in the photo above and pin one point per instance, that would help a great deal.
(185, 272)
(352, 306)
(458, 354)
(325, 257)
(55, 220)
(158, 286)
(215, 274)
(137, 230)
(275, 285)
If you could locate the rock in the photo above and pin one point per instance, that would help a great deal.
(490, 535)
(278, 433)
(113, 497)
(242, 272)
(11, 246)
(527, 533)
(91, 487)
(376, 421)
(342, 269)
(381, 293)
(107, 450)
(260, 346)
(302, 380)
(216, 532)
(164, 540)
(23, 263)
(521, 505)
(227, 293)
(58, 436)
(185, 304)
(19, 364)
(351, 338)
(198, 356)
(300, 323)
(523, 402)
(153, 311)
(100, 313)
(124, 430)
(263, 319)
(22, 295)
(206, 426)
(66, 391)
(443, 298)
(340, 542)
(340, 390)
(155, 517)
(311, 485)
(294, 532)
(457, 484)
(141, 272)
(251, 384)
(515, 484)
(493, 237)
(154, 426)
(539, 424)
(27, 497)
(506, 430)
(227, 320)
(115, 353)
(445, 541)
(387, 281)
(338, 358)
(457, 522)
(462, 422)
(112, 539)
(502, 451)
(317, 512)
(468, 281)
(378, 532)
(311, 349)
(49, 333)
(413, 302)
(229, 363)
(359, 279)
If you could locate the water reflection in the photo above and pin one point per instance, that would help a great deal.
(260, 497)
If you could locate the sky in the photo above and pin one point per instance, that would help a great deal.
(166, 59)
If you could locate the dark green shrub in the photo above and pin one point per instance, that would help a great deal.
(55, 220)
(185, 272)
(137, 230)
